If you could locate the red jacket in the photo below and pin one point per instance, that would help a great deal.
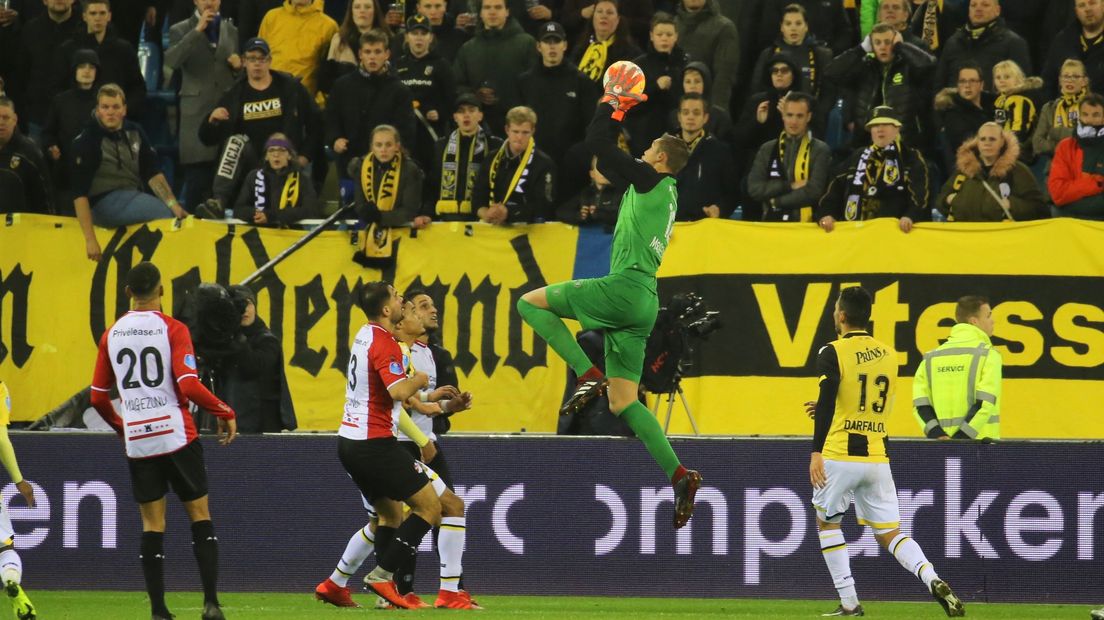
(1067, 182)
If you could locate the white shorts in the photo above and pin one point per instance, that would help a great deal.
(434, 479)
(869, 485)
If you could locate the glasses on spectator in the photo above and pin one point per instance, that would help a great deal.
(1072, 77)
(965, 81)
(254, 59)
(779, 70)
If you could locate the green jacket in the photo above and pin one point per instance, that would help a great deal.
(494, 59)
(961, 382)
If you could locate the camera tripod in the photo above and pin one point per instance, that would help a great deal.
(676, 388)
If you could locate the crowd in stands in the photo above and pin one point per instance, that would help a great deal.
(816, 111)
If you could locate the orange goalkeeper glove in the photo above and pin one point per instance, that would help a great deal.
(619, 90)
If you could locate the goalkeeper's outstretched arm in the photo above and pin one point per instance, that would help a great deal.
(601, 140)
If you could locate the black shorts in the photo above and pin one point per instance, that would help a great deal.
(438, 464)
(381, 468)
(184, 470)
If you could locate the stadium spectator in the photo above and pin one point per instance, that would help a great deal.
(39, 41)
(826, 18)
(388, 184)
(560, 94)
(790, 173)
(363, 100)
(518, 184)
(804, 51)
(574, 15)
(1076, 180)
(712, 39)
(1015, 109)
(1058, 118)
(531, 14)
(457, 160)
(259, 104)
(957, 390)
(10, 25)
(204, 49)
(961, 109)
(24, 179)
(662, 64)
(885, 179)
(884, 71)
(250, 15)
(761, 118)
(604, 41)
(447, 35)
(70, 111)
(112, 163)
(431, 83)
(278, 193)
(697, 79)
(118, 59)
(254, 384)
(935, 22)
(708, 183)
(298, 34)
(597, 205)
(489, 63)
(897, 13)
(343, 55)
(1080, 40)
(990, 184)
(985, 40)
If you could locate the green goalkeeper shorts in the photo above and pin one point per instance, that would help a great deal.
(623, 306)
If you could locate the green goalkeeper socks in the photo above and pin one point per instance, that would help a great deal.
(555, 333)
(647, 429)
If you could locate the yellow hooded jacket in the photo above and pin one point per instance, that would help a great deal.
(299, 37)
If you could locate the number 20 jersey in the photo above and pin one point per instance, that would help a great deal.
(864, 402)
(146, 354)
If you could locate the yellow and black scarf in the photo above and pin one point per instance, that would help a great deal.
(1088, 44)
(1066, 109)
(378, 242)
(450, 169)
(877, 169)
(289, 194)
(519, 174)
(930, 33)
(593, 62)
(800, 169)
(812, 70)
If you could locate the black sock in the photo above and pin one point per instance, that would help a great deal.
(153, 569)
(384, 537)
(205, 547)
(407, 538)
(404, 577)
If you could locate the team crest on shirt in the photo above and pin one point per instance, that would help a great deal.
(395, 368)
(429, 70)
(15, 161)
(189, 361)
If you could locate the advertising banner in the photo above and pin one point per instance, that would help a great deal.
(1004, 522)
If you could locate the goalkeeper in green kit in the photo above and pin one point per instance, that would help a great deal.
(624, 303)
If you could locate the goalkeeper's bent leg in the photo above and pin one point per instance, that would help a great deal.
(551, 327)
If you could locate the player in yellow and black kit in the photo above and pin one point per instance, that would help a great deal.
(858, 380)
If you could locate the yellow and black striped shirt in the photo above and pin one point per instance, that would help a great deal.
(858, 382)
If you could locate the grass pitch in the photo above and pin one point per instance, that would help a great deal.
(99, 605)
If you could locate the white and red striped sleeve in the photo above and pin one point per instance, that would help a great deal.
(102, 380)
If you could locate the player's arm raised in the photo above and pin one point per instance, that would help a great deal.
(601, 139)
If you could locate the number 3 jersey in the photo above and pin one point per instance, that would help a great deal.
(375, 364)
(147, 356)
(866, 371)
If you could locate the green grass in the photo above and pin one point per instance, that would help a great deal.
(98, 605)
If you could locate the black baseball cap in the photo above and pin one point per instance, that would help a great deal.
(466, 99)
(418, 22)
(257, 43)
(551, 30)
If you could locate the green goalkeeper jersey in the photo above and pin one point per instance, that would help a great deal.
(644, 228)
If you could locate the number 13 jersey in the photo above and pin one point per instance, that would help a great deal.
(145, 354)
(867, 374)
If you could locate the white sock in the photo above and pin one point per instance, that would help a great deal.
(834, 548)
(359, 548)
(11, 566)
(450, 546)
(911, 556)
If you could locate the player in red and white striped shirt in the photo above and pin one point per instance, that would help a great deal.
(148, 356)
